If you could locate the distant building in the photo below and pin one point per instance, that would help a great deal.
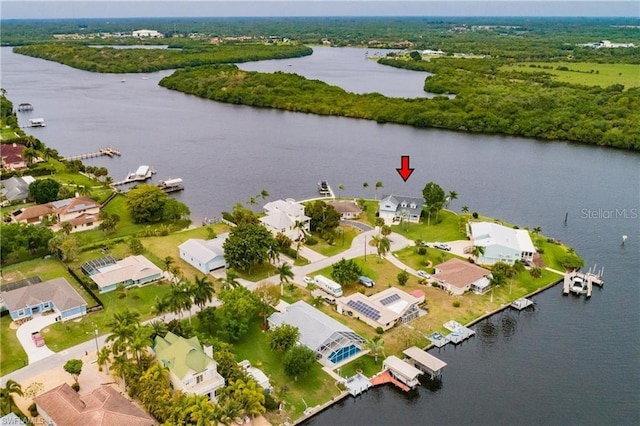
(500, 243)
(347, 209)
(204, 255)
(385, 309)
(397, 208)
(282, 216)
(11, 157)
(130, 271)
(458, 276)
(105, 406)
(332, 341)
(81, 212)
(192, 368)
(147, 34)
(55, 295)
(15, 189)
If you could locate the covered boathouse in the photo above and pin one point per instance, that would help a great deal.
(425, 362)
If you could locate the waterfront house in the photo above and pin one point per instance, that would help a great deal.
(204, 255)
(348, 209)
(130, 271)
(501, 243)
(11, 157)
(281, 216)
(24, 301)
(384, 309)
(332, 341)
(81, 212)
(192, 368)
(458, 276)
(105, 406)
(397, 208)
(15, 189)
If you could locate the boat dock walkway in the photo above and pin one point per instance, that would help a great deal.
(459, 333)
(357, 384)
(385, 377)
(590, 278)
(521, 303)
(108, 151)
(142, 174)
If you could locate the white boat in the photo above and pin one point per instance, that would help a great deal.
(578, 285)
(171, 185)
(37, 122)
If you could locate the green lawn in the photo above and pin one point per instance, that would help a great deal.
(585, 73)
(11, 352)
(410, 257)
(341, 243)
(366, 363)
(315, 388)
(447, 228)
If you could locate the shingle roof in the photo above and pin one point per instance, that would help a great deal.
(130, 268)
(398, 200)
(16, 188)
(459, 273)
(181, 355)
(102, 407)
(204, 251)
(57, 290)
(345, 206)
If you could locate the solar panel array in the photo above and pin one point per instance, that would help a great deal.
(364, 309)
(390, 299)
(91, 267)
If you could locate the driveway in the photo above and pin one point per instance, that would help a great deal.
(24, 336)
(457, 247)
(355, 224)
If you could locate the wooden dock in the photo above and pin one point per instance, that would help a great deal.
(521, 303)
(108, 151)
(137, 176)
(385, 377)
(590, 278)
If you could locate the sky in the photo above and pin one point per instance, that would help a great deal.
(52, 9)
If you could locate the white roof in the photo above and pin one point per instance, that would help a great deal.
(132, 267)
(142, 170)
(425, 358)
(487, 234)
(289, 207)
(400, 367)
(277, 220)
(204, 251)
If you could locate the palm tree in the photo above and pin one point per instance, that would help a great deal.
(537, 230)
(229, 411)
(168, 261)
(273, 255)
(121, 367)
(180, 298)
(497, 279)
(302, 232)
(231, 281)
(30, 141)
(108, 180)
(376, 347)
(103, 357)
(341, 188)
(378, 185)
(384, 246)
(11, 387)
(154, 390)
(365, 185)
(201, 410)
(285, 273)
(465, 209)
(141, 339)
(477, 251)
(202, 291)
(453, 195)
(123, 326)
(160, 306)
(157, 328)
(264, 194)
(252, 201)
(29, 155)
(82, 189)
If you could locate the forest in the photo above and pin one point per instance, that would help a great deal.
(485, 102)
(112, 60)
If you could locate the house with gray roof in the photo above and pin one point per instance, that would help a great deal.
(204, 255)
(398, 208)
(332, 341)
(55, 295)
(15, 189)
(192, 368)
(281, 216)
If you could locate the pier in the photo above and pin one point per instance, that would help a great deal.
(142, 174)
(25, 107)
(581, 282)
(108, 151)
(521, 303)
(386, 377)
(325, 190)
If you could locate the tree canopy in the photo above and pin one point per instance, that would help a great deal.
(146, 203)
(324, 217)
(298, 361)
(44, 190)
(248, 245)
(346, 271)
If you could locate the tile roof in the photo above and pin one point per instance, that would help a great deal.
(57, 290)
(345, 206)
(66, 206)
(102, 407)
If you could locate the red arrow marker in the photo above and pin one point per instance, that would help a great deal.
(405, 171)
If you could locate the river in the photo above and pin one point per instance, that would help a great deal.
(571, 361)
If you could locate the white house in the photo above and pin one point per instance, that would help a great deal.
(501, 244)
(397, 208)
(81, 212)
(192, 368)
(147, 33)
(282, 216)
(204, 255)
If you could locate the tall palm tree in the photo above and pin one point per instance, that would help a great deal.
(465, 209)
(158, 328)
(141, 339)
(231, 280)
(103, 357)
(123, 326)
(477, 251)
(497, 279)
(384, 246)
(180, 298)
(29, 155)
(168, 261)
(202, 291)
(11, 387)
(302, 232)
(121, 367)
(378, 185)
(365, 185)
(201, 410)
(285, 273)
(453, 195)
(160, 306)
(376, 347)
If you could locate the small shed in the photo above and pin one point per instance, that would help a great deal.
(424, 361)
(402, 371)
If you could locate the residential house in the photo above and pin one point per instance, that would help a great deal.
(57, 295)
(105, 406)
(384, 309)
(458, 276)
(348, 210)
(15, 189)
(11, 157)
(332, 341)
(192, 368)
(204, 255)
(146, 33)
(398, 208)
(501, 243)
(130, 271)
(282, 216)
(81, 212)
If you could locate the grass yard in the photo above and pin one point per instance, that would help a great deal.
(410, 257)
(585, 73)
(341, 243)
(448, 228)
(11, 352)
(366, 363)
(315, 388)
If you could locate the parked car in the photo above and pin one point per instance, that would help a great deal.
(37, 338)
(309, 280)
(442, 246)
(366, 281)
(423, 274)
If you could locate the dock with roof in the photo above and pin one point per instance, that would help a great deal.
(424, 361)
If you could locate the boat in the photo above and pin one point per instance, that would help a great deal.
(37, 122)
(578, 285)
(123, 80)
(145, 78)
(323, 187)
(171, 185)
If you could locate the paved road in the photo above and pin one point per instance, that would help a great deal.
(355, 224)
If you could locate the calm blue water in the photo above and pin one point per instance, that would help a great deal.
(571, 361)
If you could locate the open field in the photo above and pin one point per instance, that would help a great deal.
(584, 73)
(447, 228)
(342, 242)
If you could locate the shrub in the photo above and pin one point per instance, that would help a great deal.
(33, 410)
(535, 272)
(310, 240)
(422, 251)
(379, 330)
(76, 387)
(270, 403)
(475, 215)
(456, 303)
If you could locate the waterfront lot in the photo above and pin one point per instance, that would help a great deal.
(584, 73)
